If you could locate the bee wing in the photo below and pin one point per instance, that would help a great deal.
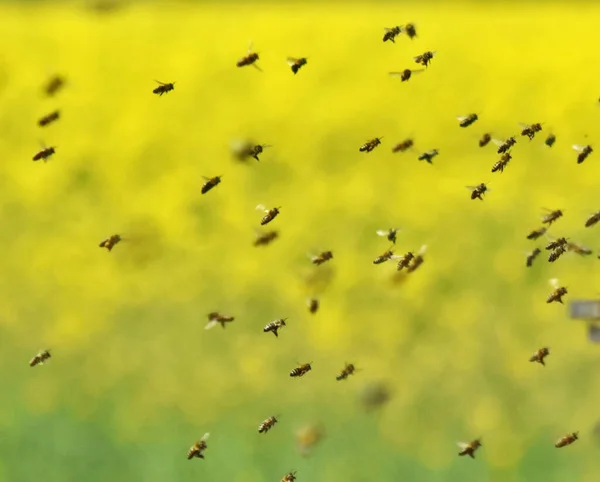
(396, 74)
(471, 188)
(382, 232)
(261, 207)
(250, 47)
(422, 250)
(257, 67)
(522, 125)
(577, 147)
(206, 178)
(462, 445)
(159, 82)
(291, 61)
(461, 118)
(417, 71)
(498, 142)
(387, 29)
(211, 324)
(205, 437)
(553, 282)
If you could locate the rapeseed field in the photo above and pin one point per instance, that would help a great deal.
(134, 379)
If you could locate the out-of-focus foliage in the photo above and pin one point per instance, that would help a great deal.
(135, 379)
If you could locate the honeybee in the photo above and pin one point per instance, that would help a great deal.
(263, 239)
(552, 216)
(391, 34)
(389, 254)
(270, 214)
(215, 318)
(550, 140)
(417, 261)
(469, 448)
(478, 191)
(267, 424)
(410, 30)
(531, 257)
(257, 149)
(295, 64)
(45, 154)
(274, 326)
(405, 145)
(558, 293)
(428, 156)
(485, 139)
(566, 440)
(537, 233)
(467, 120)
(110, 242)
(163, 88)
(406, 74)
(48, 119)
(40, 358)
(557, 248)
(249, 59)
(539, 356)
(307, 437)
(346, 372)
(530, 130)
(556, 243)
(504, 146)
(289, 477)
(584, 152)
(374, 395)
(301, 369)
(425, 58)
(54, 85)
(502, 163)
(405, 260)
(390, 234)
(313, 305)
(370, 145)
(593, 219)
(321, 258)
(198, 448)
(579, 249)
(210, 183)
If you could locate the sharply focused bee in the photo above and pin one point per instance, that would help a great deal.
(370, 145)
(198, 448)
(478, 191)
(552, 216)
(321, 258)
(469, 448)
(410, 30)
(289, 477)
(390, 234)
(346, 372)
(530, 130)
(210, 183)
(539, 356)
(267, 424)
(257, 149)
(467, 120)
(566, 440)
(502, 163)
(391, 34)
(425, 58)
(45, 154)
(313, 305)
(295, 64)
(274, 326)
(389, 254)
(428, 156)
(270, 214)
(504, 146)
(418, 260)
(54, 85)
(405, 145)
(263, 239)
(584, 152)
(593, 219)
(48, 119)
(558, 293)
(215, 318)
(579, 249)
(405, 260)
(163, 88)
(537, 233)
(40, 358)
(550, 140)
(249, 59)
(301, 369)
(406, 74)
(531, 257)
(485, 139)
(110, 242)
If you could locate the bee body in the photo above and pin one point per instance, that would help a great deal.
(40, 358)
(593, 219)
(54, 85)
(556, 253)
(271, 214)
(550, 140)
(322, 258)
(44, 154)
(290, 477)
(539, 356)
(301, 370)
(478, 191)
(470, 448)
(428, 156)
(466, 121)
(485, 140)
(370, 145)
(197, 450)
(410, 30)
(425, 58)
(215, 318)
(551, 217)
(249, 59)
(391, 34)
(296, 64)
(48, 119)
(502, 163)
(313, 305)
(390, 234)
(556, 243)
(583, 152)
(384, 257)
(531, 257)
(267, 424)
(566, 440)
(557, 295)
(406, 74)
(405, 261)
(210, 183)
(531, 130)
(417, 260)
(274, 326)
(537, 233)
(263, 239)
(405, 145)
(505, 145)
(346, 372)
(109, 243)
(163, 88)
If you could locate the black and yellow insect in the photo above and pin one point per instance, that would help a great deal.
(163, 88)
(209, 183)
(301, 370)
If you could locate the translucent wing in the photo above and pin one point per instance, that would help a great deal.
(206, 178)
(462, 445)
(417, 71)
(159, 82)
(498, 142)
(382, 232)
(261, 207)
(387, 29)
(396, 74)
(211, 324)
(554, 282)
(577, 147)
(422, 250)
(291, 61)
(471, 188)
(257, 67)
(461, 118)
(250, 47)
(205, 437)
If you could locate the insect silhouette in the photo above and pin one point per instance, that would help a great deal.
(388, 255)
(530, 130)
(370, 145)
(313, 305)
(428, 156)
(558, 293)
(405, 260)
(110, 242)
(485, 139)
(301, 370)
(197, 450)
(321, 258)
(467, 120)
(390, 234)
(469, 448)
(502, 163)
(417, 261)
(267, 424)
(584, 152)
(592, 220)
(270, 214)
(348, 370)
(539, 356)
(54, 85)
(45, 154)
(391, 34)
(579, 249)
(48, 119)
(552, 216)
(163, 88)
(249, 59)
(307, 437)
(566, 440)
(478, 191)
(406, 74)
(531, 257)
(210, 182)
(557, 248)
(295, 64)
(274, 326)
(537, 233)
(504, 146)
(425, 58)
(215, 318)
(257, 149)
(40, 358)
(405, 145)
(411, 30)
(550, 140)
(289, 477)
(263, 239)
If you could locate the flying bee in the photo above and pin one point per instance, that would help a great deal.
(301, 370)
(40, 358)
(566, 440)
(263, 239)
(505, 145)
(502, 163)
(579, 249)
(405, 260)
(531, 257)
(321, 258)
(552, 216)
(539, 356)
(346, 372)
(417, 261)
(469, 448)
(198, 448)
(485, 139)
(390, 234)
(110, 242)
(270, 214)
(257, 149)
(249, 59)
(295, 64)
(313, 305)
(391, 34)
(593, 219)
(558, 293)
(478, 191)
(406, 74)
(267, 424)
(550, 140)
(274, 326)
(45, 154)
(54, 85)
(467, 120)
(428, 156)
(405, 145)
(215, 318)
(557, 253)
(425, 58)
(307, 437)
(410, 30)
(537, 233)
(210, 183)
(370, 145)
(48, 119)
(556, 243)
(163, 88)
(530, 130)
(584, 152)
(389, 254)
(289, 477)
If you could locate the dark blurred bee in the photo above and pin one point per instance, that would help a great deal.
(593, 219)
(556, 253)
(389, 254)
(390, 234)
(370, 145)
(257, 149)
(210, 183)
(313, 305)
(270, 214)
(556, 243)
(566, 440)
(410, 30)
(301, 370)
(307, 437)
(469, 448)
(504, 146)
(550, 140)
(552, 216)
(40, 358)
(485, 139)
(539, 356)
(405, 145)
(249, 59)
(425, 58)
(374, 395)
(295, 64)
(537, 233)
(584, 152)
(478, 191)
(216, 318)
(321, 258)
(502, 163)
(467, 120)
(163, 88)
(198, 448)
(54, 85)
(109, 243)
(267, 424)
(405, 260)
(45, 154)
(418, 260)
(274, 326)
(579, 249)
(290, 477)
(346, 372)
(558, 293)
(406, 74)
(530, 130)
(428, 156)
(531, 257)
(48, 119)
(263, 239)
(391, 34)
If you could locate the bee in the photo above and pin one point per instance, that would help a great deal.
(579, 249)
(267, 424)
(163, 88)
(539, 356)
(346, 372)
(313, 305)
(502, 163)
(558, 293)
(552, 216)
(478, 191)
(48, 119)
(557, 248)
(374, 395)
(428, 156)
(45, 154)
(289, 477)
(504, 146)
(309, 436)
(390, 234)
(469, 448)
(391, 34)
(249, 59)
(198, 448)
(295, 64)
(370, 145)
(531, 257)
(210, 183)
(584, 152)
(215, 318)
(54, 85)
(593, 219)
(410, 30)
(417, 261)
(40, 358)
(389, 254)
(263, 239)
(537, 233)
(257, 149)
(321, 258)
(274, 326)
(550, 140)
(405, 260)
(270, 214)
(566, 440)
(530, 130)
(425, 58)
(467, 120)
(110, 242)
(405, 145)
(301, 369)
(556, 243)
(406, 74)
(485, 139)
